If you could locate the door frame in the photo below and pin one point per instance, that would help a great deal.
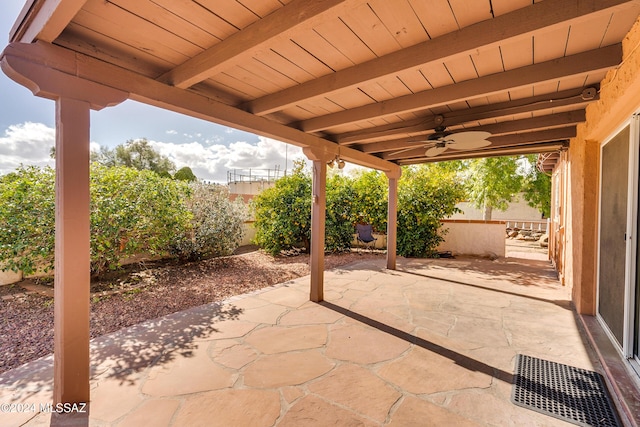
(627, 347)
(632, 242)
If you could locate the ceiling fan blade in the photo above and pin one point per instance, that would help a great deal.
(472, 136)
(403, 151)
(434, 151)
(469, 145)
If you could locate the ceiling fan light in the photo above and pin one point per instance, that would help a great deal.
(341, 164)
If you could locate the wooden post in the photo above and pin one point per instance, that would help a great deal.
(318, 211)
(392, 218)
(74, 98)
(72, 260)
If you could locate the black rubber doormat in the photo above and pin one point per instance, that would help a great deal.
(571, 394)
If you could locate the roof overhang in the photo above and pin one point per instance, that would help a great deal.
(365, 80)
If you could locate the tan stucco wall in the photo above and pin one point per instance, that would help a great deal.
(518, 210)
(619, 100)
(482, 238)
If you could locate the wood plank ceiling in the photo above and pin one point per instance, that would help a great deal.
(375, 76)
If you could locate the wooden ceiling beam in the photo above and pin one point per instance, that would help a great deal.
(513, 151)
(513, 126)
(44, 20)
(152, 92)
(540, 16)
(499, 142)
(583, 63)
(297, 15)
(492, 111)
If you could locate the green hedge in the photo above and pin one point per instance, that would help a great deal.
(132, 212)
(426, 195)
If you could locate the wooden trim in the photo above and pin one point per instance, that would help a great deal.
(545, 15)
(182, 101)
(519, 140)
(297, 15)
(425, 125)
(44, 20)
(50, 83)
(555, 120)
(510, 151)
(582, 63)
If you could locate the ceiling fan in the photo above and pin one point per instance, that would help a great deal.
(441, 140)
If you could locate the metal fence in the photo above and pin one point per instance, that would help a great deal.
(253, 175)
(540, 226)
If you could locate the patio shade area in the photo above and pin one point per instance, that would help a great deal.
(369, 81)
(432, 343)
(380, 84)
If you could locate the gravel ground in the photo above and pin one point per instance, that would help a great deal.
(146, 292)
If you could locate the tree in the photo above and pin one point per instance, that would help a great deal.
(537, 187)
(185, 174)
(283, 212)
(340, 213)
(426, 195)
(492, 182)
(137, 154)
(370, 199)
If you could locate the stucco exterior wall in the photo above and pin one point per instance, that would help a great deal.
(518, 210)
(619, 100)
(8, 277)
(482, 238)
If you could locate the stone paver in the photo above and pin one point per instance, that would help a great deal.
(431, 344)
(151, 413)
(356, 343)
(358, 389)
(230, 408)
(282, 339)
(277, 370)
(193, 372)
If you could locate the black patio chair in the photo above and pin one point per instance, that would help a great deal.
(365, 235)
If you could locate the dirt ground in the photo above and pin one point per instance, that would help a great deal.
(145, 291)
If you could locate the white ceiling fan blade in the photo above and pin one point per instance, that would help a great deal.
(469, 145)
(434, 151)
(462, 137)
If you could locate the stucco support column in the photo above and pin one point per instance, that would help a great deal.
(392, 218)
(318, 211)
(74, 98)
(72, 260)
(584, 182)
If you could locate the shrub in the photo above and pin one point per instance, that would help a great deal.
(340, 215)
(370, 199)
(133, 211)
(27, 216)
(425, 196)
(283, 213)
(216, 227)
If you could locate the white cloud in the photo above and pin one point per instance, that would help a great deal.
(26, 143)
(211, 162)
(30, 144)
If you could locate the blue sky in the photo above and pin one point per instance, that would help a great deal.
(27, 129)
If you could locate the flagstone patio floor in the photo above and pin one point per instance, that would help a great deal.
(431, 343)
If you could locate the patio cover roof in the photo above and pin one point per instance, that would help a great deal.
(364, 80)
(368, 80)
